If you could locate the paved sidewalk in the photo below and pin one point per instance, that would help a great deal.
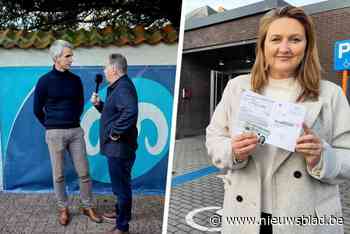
(204, 192)
(200, 198)
(35, 214)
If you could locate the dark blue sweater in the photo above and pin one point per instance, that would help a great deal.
(59, 100)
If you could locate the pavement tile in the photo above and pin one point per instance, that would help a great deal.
(37, 214)
(190, 155)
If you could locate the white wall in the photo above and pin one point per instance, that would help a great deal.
(160, 54)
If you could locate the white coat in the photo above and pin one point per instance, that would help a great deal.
(296, 192)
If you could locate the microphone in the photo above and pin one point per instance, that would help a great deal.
(98, 81)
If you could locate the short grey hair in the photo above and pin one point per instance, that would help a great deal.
(57, 47)
(119, 62)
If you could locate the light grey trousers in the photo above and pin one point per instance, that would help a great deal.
(72, 140)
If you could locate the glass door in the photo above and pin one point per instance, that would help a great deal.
(218, 82)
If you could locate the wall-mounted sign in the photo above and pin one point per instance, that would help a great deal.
(342, 55)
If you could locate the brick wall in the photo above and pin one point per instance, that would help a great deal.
(224, 33)
(331, 26)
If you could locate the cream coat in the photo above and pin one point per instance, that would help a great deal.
(296, 192)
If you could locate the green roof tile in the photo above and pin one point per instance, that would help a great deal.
(119, 36)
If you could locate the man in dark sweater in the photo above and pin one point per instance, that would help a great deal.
(118, 136)
(58, 105)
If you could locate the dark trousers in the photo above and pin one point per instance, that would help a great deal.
(120, 173)
(266, 228)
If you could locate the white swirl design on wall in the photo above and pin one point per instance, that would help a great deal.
(152, 112)
(87, 121)
(146, 111)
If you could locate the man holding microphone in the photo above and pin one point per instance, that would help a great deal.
(118, 135)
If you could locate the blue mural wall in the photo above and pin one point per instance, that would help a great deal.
(25, 159)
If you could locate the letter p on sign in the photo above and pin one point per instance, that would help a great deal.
(343, 48)
(341, 55)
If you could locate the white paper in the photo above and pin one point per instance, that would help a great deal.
(275, 122)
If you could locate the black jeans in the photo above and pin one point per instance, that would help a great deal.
(266, 227)
(120, 173)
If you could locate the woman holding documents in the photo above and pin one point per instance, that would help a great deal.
(294, 190)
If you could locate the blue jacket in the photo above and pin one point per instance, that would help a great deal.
(119, 119)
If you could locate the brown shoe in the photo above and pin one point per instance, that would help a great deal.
(63, 216)
(91, 213)
(109, 217)
(116, 231)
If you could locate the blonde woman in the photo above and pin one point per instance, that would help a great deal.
(299, 190)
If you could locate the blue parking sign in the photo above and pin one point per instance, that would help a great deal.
(342, 55)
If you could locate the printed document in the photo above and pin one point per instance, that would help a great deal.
(275, 122)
